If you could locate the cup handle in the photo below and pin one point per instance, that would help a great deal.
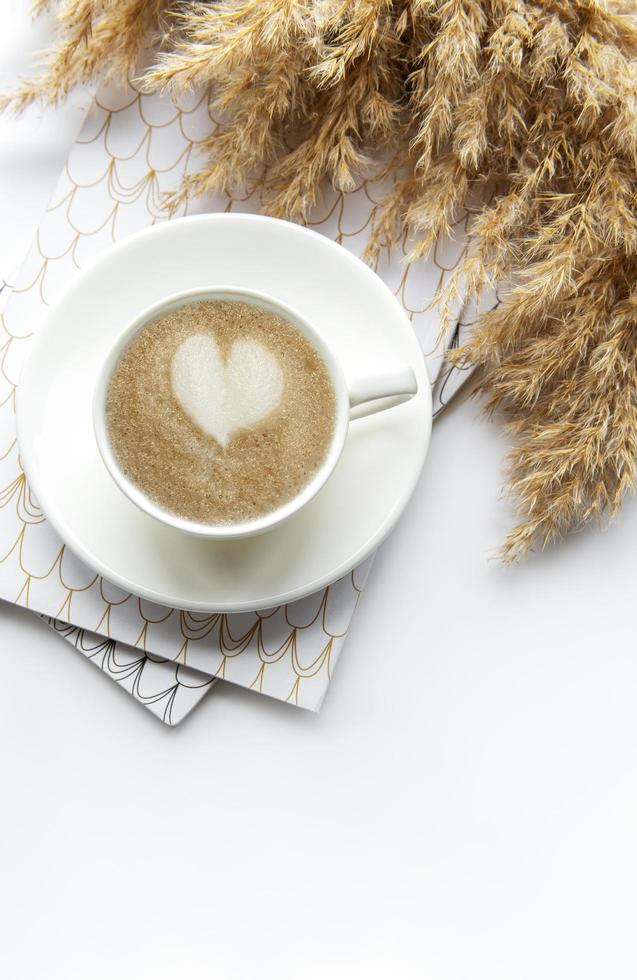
(377, 392)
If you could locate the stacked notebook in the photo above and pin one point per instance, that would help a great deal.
(133, 149)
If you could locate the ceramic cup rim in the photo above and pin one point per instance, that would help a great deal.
(241, 529)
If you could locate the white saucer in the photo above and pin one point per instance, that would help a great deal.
(360, 319)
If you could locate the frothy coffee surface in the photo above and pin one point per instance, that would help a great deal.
(220, 412)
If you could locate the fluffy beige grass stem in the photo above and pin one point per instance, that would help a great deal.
(537, 99)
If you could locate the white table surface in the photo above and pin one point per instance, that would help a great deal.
(477, 819)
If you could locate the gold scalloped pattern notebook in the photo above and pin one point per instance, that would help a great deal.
(132, 149)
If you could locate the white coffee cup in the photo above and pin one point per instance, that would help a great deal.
(354, 399)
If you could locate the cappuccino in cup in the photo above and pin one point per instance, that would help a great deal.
(220, 411)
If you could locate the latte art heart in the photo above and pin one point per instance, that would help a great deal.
(220, 411)
(223, 398)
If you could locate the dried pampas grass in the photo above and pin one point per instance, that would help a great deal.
(538, 99)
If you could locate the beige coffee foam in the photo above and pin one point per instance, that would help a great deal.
(186, 471)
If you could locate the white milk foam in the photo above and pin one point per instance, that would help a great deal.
(220, 411)
(224, 398)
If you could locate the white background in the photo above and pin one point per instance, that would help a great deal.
(477, 819)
